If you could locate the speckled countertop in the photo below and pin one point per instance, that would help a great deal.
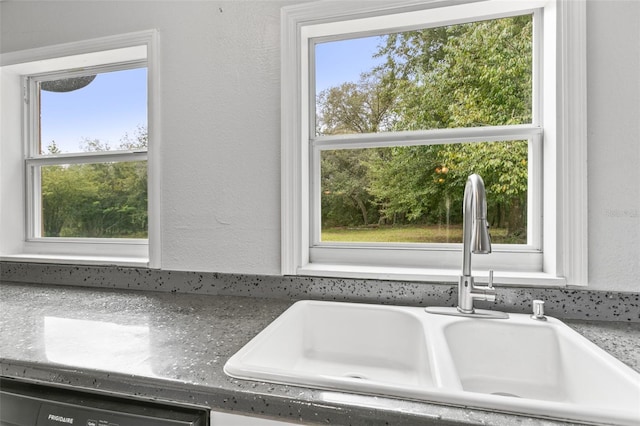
(172, 347)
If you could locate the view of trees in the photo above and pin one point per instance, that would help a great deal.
(468, 75)
(98, 200)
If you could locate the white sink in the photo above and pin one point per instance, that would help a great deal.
(519, 365)
(364, 348)
(542, 368)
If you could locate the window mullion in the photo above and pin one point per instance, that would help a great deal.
(84, 158)
(31, 113)
(315, 204)
(427, 137)
(34, 202)
(534, 193)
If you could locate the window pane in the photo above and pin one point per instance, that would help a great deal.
(465, 75)
(93, 113)
(413, 194)
(101, 200)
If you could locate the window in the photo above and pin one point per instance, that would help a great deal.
(88, 141)
(88, 187)
(382, 175)
(445, 90)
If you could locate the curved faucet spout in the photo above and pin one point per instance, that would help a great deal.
(475, 239)
(475, 228)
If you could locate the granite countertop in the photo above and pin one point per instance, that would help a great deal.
(172, 347)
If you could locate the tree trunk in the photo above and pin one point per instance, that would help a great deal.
(363, 210)
(515, 220)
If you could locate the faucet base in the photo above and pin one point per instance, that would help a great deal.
(477, 313)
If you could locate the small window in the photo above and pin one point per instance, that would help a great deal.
(86, 167)
(80, 152)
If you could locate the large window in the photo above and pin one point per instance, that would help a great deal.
(392, 110)
(78, 142)
(383, 177)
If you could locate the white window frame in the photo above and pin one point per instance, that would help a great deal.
(558, 257)
(20, 71)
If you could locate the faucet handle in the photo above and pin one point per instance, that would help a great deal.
(538, 310)
(489, 290)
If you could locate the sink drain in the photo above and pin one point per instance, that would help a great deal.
(506, 394)
(355, 376)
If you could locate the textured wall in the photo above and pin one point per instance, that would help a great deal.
(220, 119)
(220, 123)
(613, 43)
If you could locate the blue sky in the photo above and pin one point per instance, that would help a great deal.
(343, 61)
(113, 104)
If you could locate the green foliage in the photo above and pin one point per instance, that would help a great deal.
(468, 75)
(99, 200)
(404, 182)
(345, 196)
(362, 107)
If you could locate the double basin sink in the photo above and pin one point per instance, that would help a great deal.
(517, 365)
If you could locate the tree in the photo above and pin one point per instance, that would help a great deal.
(410, 185)
(97, 199)
(345, 188)
(474, 74)
(361, 107)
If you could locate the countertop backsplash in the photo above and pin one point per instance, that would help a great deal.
(563, 303)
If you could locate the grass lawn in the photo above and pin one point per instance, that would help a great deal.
(408, 234)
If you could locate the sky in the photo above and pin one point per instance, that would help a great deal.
(115, 103)
(112, 105)
(343, 61)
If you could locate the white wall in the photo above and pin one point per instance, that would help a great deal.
(220, 121)
(220, 87)
(613, 72)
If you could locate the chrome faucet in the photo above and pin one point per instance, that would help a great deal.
(475, 239)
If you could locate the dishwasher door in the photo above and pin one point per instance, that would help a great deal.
(24, 404)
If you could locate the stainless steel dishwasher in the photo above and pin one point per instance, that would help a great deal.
(26, 404)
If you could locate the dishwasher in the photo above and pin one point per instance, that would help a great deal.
(28, 404)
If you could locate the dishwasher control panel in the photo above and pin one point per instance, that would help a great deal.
(26, 404)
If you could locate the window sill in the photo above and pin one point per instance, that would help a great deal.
(510, 278)
(77, 260)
